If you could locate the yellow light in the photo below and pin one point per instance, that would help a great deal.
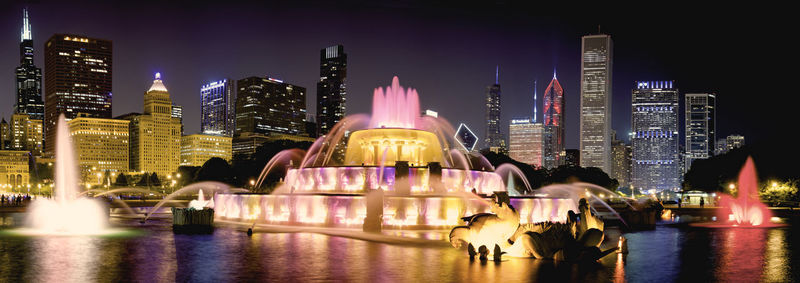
(178, 175)
(774, 184)
(731, 186)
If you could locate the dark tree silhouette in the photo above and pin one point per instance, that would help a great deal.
(122, 180)
(215, 169)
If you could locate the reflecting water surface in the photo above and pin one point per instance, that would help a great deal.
(154, 253)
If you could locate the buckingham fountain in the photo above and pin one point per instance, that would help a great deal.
(395, 168)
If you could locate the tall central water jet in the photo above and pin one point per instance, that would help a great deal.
(67, 213)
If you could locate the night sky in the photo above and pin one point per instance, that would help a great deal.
(447, 52)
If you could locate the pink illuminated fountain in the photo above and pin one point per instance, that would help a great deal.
(425, 178)
(746, 209)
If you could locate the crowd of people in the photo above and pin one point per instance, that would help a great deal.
(14, 200)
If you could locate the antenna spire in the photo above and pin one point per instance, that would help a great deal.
(497, 75)
(26, 26)
(534, 100)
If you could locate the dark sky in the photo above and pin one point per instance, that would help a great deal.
(447, 52)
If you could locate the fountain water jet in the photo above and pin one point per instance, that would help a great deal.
(68, 213)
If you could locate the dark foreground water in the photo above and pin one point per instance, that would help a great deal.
(153, 253)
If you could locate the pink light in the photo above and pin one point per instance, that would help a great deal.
(395, 107)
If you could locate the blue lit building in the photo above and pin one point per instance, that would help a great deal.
(654, 139)
(217, 107)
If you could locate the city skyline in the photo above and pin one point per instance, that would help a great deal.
(548, 45)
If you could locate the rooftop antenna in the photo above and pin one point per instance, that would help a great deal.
(497, 75)
(534, 100)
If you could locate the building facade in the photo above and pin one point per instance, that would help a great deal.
(5, 134)
(267, 105)
(700, 126)
(621, 158)
(596, 77)
(155, 135)
(78, 72)
(525, 142)
(553, 155)
(29, 77)
(655, 157)
(217, 108)
(14, 168)
(25, 134)
(198, 148)
(495, 140)
(102, 145)
(331, 88)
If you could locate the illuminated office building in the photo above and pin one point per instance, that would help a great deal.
(155, 135)
(25, 134)
(267, 105)
(655, 158)
(77, 80)
(495, 140)
(198, 148)
(102, 145)
(700, 127)
(217, 107)
(29, 77)
(596, 71)
(14, 168)
(553, 141)
(525, 141)
(331, 88)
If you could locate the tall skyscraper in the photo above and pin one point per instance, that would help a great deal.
(29, 77)
(654, 123)
(77, 80)
(217, 107)
(267, 105)
(553, 124)
(331, 88)
(700, 127)
(525, 141)
(155, 135)
(595, 132)
(495, 140)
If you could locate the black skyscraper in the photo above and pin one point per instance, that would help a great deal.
(331, 88)
(29, 77)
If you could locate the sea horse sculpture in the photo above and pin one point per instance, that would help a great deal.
(576, 240)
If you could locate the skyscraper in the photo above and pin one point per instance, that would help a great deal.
(495, 140)
(525, 141)
(595, 132)
(654, 123)
(217, 107)
(267, 105)
(621, 157)
(102, 144)
(29, 77)
(700, 126)
(553, 124)
(155, 135)
(331, 88)
(77, 80)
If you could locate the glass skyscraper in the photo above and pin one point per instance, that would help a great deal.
(217, 107)
(595, 132)
(29, 77)
(654, 123)
(553, 125)
(525, 141)
(267, 105)
(494, 138)
(700, 126)
(331, 88)
(78, 73)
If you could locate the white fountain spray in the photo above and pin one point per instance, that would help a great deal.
(68, 213)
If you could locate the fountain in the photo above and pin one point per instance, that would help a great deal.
(426, 180)
(68, 213)
(746, 209)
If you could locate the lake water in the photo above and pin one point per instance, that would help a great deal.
(152, 252)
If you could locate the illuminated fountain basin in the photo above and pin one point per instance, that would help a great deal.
(67, 213)
(427, 178)
(746, 209)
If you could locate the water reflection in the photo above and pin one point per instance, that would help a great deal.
(663, 254)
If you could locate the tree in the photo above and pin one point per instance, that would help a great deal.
(215, 169)
(143, 182)
(122, 180)
(154, 181)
